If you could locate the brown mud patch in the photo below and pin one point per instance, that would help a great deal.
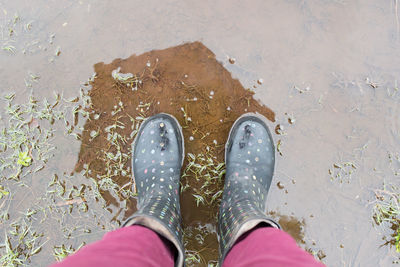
(188, 82)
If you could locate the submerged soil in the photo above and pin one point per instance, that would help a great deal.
(188, 82)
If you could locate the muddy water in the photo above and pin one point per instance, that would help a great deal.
(328, 70)
(189, 83)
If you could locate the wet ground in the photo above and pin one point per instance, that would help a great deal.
(325, 74)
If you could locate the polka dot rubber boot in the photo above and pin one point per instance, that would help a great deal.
(157, 157)
(250, 160)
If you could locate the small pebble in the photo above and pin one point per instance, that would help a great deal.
(279, 129)
(232, 60)
(191, 138)
(291, 120)
(93, 134)
(280, 185)
(260, 81)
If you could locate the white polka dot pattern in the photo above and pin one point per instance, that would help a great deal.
(250, 163)
(157, 158)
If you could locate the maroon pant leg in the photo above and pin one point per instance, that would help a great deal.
(267, 246)
(128, 246)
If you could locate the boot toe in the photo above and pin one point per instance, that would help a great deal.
(250, 149)
(157, 151)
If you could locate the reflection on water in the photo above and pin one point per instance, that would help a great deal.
(328, 69)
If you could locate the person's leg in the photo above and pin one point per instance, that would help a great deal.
(157, 158)
(129, 246)
(247, 236)
(250, 161)
(267, 246)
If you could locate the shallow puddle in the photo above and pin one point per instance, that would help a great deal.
(325, 73)
(187, 82)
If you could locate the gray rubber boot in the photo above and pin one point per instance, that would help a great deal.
(157, 157)
(250, 161)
